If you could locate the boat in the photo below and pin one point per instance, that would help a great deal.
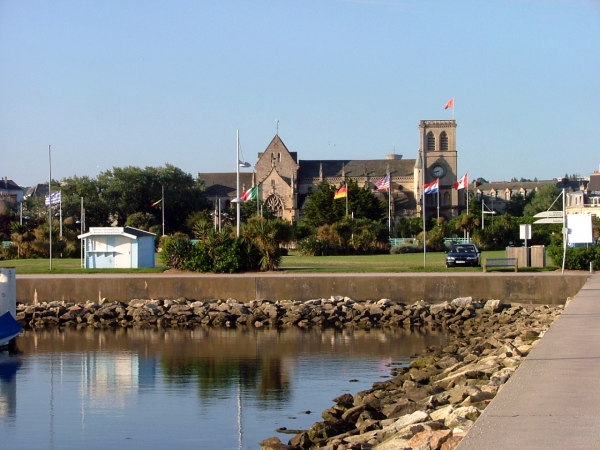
(9, 328)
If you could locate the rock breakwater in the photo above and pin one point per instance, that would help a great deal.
(433, 403)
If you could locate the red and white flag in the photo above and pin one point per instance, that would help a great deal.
(463, 183)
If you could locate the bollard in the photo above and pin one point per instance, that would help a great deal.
(8, 290)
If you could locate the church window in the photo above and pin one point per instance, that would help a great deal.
(443, 141)
(275, 204)
(279, 157)
(430, 141)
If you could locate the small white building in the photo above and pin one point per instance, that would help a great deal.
(117, 248)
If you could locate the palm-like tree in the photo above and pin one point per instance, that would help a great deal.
(266, 236)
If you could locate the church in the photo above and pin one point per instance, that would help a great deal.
(285, 181)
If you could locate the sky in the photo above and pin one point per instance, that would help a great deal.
(118, 83)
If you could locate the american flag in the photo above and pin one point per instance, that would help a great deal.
(383, 183)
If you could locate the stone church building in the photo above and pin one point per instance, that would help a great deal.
(285, 181)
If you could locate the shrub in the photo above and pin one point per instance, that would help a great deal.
(408, 248)
(578, 258)
(175, 250)
(313, 246)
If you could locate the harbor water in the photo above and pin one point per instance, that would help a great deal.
(184, 389)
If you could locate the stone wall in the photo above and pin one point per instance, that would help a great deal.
(543, 288)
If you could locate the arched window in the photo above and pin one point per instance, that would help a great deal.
(430, 141)
(446, 199)
(279, 157)
(443, 141)
(275, 204)
(507, 194)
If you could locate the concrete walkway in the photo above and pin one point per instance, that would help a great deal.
(553, 399)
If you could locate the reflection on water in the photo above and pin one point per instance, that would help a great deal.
(201, 388)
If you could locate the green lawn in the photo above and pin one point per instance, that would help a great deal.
(70, 265)
(408, 262)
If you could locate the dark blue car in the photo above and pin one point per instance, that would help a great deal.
(463, 255)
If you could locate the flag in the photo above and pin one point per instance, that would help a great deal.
(341, 193)
(156, 203)
(250, 194)
(462, 183)
(431, 188)
(450, 104)
(54, 199)
(383, 183)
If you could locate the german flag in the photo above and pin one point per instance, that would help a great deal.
(341, 193)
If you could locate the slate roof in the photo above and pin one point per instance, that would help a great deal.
(375, 168)
(9, 185)
(527, 185)
(224, 184)
(39, 190)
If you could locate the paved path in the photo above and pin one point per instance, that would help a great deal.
(553, 399)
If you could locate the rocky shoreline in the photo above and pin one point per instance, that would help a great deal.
(428, 406)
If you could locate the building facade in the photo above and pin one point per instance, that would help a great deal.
(285, 181)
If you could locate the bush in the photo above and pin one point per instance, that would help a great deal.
(198, 259)
(313, 246)
(409, 248)
(577, 258)
(175, 250)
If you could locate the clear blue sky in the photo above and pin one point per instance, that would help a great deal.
(114, 83)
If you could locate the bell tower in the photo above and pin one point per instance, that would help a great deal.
(440, 160)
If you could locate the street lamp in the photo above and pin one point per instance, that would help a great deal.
(239, 163)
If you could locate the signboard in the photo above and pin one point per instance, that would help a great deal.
(525, 231)
(549, 220)
(106, 230)
(547, 214)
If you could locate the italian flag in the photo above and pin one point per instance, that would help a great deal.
(250, 194)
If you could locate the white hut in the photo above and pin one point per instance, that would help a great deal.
(118, 248)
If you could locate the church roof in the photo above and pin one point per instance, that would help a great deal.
(224, 184)
(356, 168)
(274, 145)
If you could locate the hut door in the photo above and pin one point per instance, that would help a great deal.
(122, 252)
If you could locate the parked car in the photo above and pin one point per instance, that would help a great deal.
(463, 255)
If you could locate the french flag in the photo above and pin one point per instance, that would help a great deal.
(431, 188)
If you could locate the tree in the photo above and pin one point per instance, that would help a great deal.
(407, 228)
(543, 199)
(321, 208)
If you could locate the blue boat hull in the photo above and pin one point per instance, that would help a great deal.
(9, 328)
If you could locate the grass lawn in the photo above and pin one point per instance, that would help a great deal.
(408, 262)
(70, 265)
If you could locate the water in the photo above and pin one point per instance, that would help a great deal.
(182, 389)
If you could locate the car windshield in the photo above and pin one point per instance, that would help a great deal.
(463, 249)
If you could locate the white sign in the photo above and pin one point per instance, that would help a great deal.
(106, 230)
(550, 220)
(547, 214)
(525, 231)
(580, 229)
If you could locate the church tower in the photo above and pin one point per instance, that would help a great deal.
(438, 150)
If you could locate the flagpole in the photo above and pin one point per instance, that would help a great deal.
(60, 213)
(438, 201)
(346, 198)
(162, 200)
(50, 201)
(468, 232)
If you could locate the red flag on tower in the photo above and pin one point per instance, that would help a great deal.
(450, 104)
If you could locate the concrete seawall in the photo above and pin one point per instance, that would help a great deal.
(550, 288)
